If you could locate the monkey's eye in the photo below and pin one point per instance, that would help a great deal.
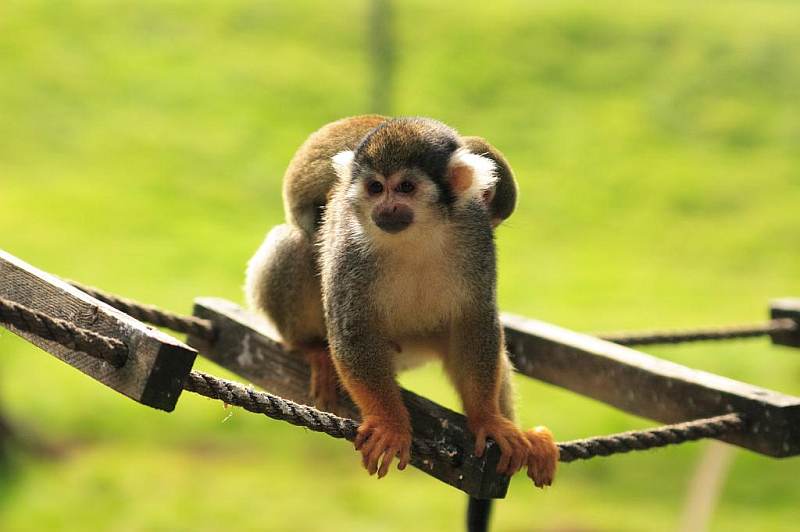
(374, 187)
(406, 187)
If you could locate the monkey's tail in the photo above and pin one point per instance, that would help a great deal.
(478, 513)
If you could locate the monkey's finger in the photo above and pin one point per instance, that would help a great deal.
(388, 458)
(372, 440)
(363, 434)
(405, 457)
(522, 452)
(371, 460)
(517, 459)
(369, 447)
(536, 472)
(480, 442)
(505, 454)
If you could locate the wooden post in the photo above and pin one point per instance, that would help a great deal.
(246, 346)
(786, 308)
(382, 55)
(157, 364)
(650, 387)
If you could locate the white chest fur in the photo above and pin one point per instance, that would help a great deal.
(419, 287)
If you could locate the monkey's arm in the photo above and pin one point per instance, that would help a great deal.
(504, 198)
(480, 368)
(385, 430)
(482, 373)
(477, 364)
(364, 358)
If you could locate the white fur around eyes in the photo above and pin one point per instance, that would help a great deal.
(342, 162)
(484, 174)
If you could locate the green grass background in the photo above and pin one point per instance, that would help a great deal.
(142, 143)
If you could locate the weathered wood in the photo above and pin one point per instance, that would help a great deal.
(245, 345)
(157, 364)
(650, 387)
(786, 308)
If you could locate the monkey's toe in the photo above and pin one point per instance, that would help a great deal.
(380, 441)
(324, 380)
(514, 445)
(543, 459)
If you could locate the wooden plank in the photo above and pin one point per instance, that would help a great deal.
(650, 387)
(157, 364)
(246, 345)
(786, 308)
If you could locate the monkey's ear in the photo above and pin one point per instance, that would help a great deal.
(470, 175)
(342, 163)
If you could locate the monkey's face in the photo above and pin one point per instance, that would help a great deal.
(408, 175)
(396, 202)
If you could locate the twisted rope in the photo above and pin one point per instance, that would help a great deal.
(275, 407)
(152, 314)
(63, 332)
(233, 393)
(696, 335)
(648, 439)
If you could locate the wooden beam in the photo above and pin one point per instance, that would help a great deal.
(786, 308)
(157, 364)
(650, 387)
(246, 345)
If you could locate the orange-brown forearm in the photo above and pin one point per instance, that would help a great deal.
(380, 400)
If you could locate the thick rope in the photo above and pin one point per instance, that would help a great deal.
(696, 335)
(152, 314)
(233, 393)
(641, 440)
(275, 407)
(63, 332)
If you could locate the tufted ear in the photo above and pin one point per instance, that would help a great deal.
(342, 163)
(470, 175)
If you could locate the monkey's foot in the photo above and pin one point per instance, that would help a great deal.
(324, 380)
(380, 440)
(543, 458)
(515, 447)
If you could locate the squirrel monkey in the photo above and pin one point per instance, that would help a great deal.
(282, 279)
(405, 261)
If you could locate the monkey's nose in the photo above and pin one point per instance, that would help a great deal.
(393, 220)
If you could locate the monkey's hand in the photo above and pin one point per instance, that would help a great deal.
(543, 458)
(324, 380)
(380, 439)
(515, 446)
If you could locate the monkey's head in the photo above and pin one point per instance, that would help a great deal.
(412, 172)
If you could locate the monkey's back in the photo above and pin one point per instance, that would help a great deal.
(304, 198)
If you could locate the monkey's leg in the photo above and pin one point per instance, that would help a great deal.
(543, 458)
(385, 430)
(283, 283)
(324, 380)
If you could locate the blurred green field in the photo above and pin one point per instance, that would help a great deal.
(657, 145)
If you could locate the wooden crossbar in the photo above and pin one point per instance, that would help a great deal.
(786, 308)
(156, 365)
(651, 387)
